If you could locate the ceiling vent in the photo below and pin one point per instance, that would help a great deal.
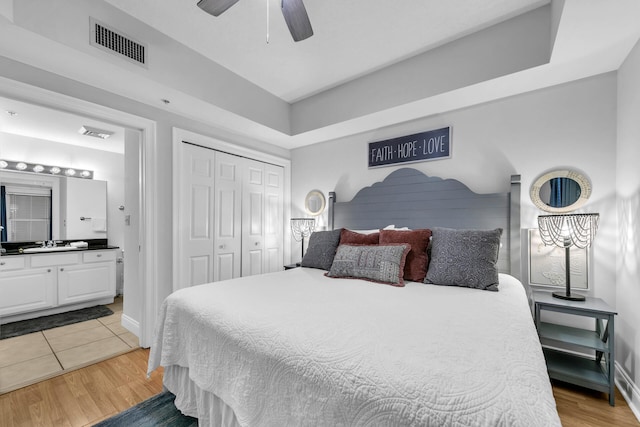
(113, 41)
(95, 132)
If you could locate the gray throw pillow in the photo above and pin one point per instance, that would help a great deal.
(322, 249)
(464, 258)
(383, 264)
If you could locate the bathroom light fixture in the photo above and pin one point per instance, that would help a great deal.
(95, 132)
(42, 169)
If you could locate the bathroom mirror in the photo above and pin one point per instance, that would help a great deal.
(315, 202)
(560, 191)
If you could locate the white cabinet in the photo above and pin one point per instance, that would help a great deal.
(42, 284)
(27, 290)
(84, 208)
(90, 280)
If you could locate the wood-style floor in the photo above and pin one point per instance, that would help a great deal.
(92, 394)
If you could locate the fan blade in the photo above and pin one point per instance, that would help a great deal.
(216, 7)
(297, 19)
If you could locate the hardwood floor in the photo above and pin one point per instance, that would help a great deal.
(89, 395)
(82, 397)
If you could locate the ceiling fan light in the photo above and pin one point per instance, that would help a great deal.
(216, 7)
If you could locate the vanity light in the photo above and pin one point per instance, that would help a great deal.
(44, 169)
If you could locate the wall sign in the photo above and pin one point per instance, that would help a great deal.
(419, 147)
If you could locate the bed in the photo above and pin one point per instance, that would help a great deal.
(298, 348)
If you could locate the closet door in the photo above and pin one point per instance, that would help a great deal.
(228, 206)
(273, 218)
(253, 194)
(196, 216)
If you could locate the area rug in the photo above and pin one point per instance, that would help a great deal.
(159, 411)
(28, 326)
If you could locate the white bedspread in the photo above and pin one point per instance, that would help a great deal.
(295, 348)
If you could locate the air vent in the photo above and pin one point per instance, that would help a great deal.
(113, 41)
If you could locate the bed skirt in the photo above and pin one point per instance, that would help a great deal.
(191, 400)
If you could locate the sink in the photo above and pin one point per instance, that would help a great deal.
(52, 249)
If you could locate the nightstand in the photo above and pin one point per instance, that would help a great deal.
(290, 266)
(596, 373)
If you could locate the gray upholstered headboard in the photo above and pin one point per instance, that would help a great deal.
(407, 197)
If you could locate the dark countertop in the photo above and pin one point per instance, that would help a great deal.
(13, 248)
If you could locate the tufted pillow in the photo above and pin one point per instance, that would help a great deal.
(322, 248)
(416, 266)
(348, 237)
(382, 264)
(465, 258)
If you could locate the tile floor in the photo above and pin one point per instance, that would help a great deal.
(31, 358)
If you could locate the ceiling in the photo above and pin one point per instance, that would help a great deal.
(353, 39)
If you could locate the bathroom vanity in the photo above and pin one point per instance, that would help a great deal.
(62, 279)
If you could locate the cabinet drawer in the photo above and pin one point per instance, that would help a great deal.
(51, 260)
(11, 263)
(98, 256)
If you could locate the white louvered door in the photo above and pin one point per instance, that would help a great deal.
(253, 218)
(231, 217)
(196, 238)
(273, 214)
(228, 207)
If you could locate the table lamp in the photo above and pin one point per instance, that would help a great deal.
(565, 231)
(301, 228)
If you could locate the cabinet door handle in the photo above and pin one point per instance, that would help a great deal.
(99, 255)
(62, 269)
(221, 246)
(257, 243)
(2, 263)
(48, 270)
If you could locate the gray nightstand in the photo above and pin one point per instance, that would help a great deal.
(596, 373)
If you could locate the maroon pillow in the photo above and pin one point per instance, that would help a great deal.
(415, 267)
(348, 237)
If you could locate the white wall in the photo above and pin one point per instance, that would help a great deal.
(573, 125)
(107, 166)
(628, 262)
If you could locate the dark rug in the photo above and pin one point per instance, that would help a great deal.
(159, 411)
(28, 326)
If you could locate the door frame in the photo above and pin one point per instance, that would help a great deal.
(182, 135)
(148, 255)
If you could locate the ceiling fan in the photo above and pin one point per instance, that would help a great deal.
(294, 13)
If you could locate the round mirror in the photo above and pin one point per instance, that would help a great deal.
(315, 202)
(560, 191)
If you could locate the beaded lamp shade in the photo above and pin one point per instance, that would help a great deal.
(565, 231)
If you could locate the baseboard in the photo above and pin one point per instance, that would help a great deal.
(131, 325)
(629, 390)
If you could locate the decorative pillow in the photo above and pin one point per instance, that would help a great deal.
(348, 237)
(322, 248)
(382, 264)
(465, 258)
(416, 266)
